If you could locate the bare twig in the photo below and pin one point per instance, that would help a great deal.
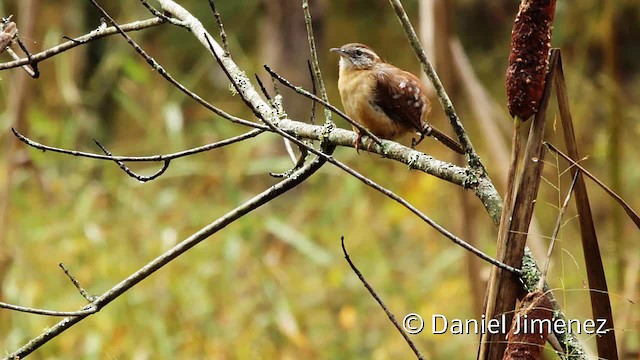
(129, 172)
(276, 103)
(314, 91)
(94, 35)
(223, 34)
(630, 212)
(162, 16)
(556, 230)
(153, 158)
(380, 302)
(298, 163)
(314, 58)
(33, 71)
(263, 89)
(90, 298)
(88, 310)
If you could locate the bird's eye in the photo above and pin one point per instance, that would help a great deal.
(358, 52)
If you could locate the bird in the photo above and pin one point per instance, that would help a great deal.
(385, 99)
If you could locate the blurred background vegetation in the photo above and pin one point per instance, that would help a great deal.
(274, 284)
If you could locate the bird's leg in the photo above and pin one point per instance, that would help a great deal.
(415, 142)
(356, 144)
(359, 140)
(369, 144)
(426, 131)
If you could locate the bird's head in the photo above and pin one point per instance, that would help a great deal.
(358, 56)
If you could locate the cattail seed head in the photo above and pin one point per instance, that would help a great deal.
(529, 57)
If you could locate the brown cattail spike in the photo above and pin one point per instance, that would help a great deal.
(530, 327)
(529, 57)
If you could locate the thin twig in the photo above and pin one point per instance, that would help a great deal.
(33, 71)
(379, 300)
(162, 16)
(129, 172)
(88, 310)
(93, 35)
(16, 57)
(90, 298)
(263, 89)
(314, 59)
(556, 230)
(223, 34)
(630, 212)
(314, 91)
(153, 158)
(297, 164)
(292, 155)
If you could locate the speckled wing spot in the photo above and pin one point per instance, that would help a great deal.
(398, 95)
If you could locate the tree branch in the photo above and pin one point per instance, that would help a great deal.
(375, 295)
(88, 310)
(94, 35)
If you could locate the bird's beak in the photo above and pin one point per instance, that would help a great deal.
(339, 51)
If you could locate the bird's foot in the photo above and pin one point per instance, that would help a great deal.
(415, 142)
(426, 131)
(369, 144)
(360, 141)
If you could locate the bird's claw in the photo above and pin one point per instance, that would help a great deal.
(358, 141)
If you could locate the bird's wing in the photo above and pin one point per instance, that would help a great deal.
(401, 96)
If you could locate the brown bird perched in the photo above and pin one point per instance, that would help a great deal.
(383, 98)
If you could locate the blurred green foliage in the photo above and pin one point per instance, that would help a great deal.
(273, 284)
